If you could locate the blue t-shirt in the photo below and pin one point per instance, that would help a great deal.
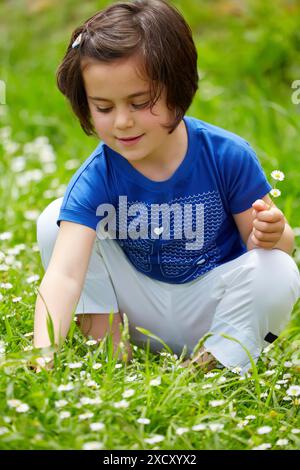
(178, 229)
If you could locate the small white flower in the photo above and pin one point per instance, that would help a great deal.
(215, 426)
(28, 334)
(17, 299)
(32, 279)
(85, 400)
(221, 380)
(199, 427)
(65, 388)
(97, 366)
(93, 445)
(60, 403)
(121, 404)
(263, 446)
(215, 403)
(288, 364)
(206, 386)
(282, 442)
(75, 365)
(155, 382)
(242, 423)
(91, 342)
(295, 431)
(131, 378)
(143, 420)
(264, 430)
(264, 395)
(236, 370)
(84, 416)
(97, 426)
(118, 366)
(293, 391)
(3, 430)
(128, 393)
(6, 285)
(22, 408)
(181, 431)
(277, 175)
(154, 439)
(95, 401)
(91, 383)
(275, 192)
(269, 372)
(14, 403)
(211, 374)
(250, 417)
(5, 236)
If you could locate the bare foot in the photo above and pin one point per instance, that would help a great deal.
(203, 359)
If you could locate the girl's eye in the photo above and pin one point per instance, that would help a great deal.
(137, 106)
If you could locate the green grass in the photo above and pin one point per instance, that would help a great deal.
(247, 66)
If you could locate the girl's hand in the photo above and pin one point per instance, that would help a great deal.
(268, 224)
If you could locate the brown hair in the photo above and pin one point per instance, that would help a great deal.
(153, 29)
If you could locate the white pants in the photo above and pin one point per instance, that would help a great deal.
(249, 298)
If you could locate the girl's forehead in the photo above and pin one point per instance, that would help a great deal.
(124, 74)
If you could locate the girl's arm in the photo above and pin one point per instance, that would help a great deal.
(63, 281)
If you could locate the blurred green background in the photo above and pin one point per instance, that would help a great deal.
(248, 59)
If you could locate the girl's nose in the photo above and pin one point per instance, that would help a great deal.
(123, 119)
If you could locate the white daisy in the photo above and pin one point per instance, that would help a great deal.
(275, 192)
(65, 387)
(3, 430)
(282, 442)
(277, 175)
(264, 430)
(264, 446)
(128, 393)
(75, 365)
(215, 426)
(154, 439)
(94, 445)
(96, 426)
(181, 431)
(143, 420)
(293, 391)
(84, 416)
(215, 403)
(155, 382)
(199, 427)
(121, 404)
(22, 408)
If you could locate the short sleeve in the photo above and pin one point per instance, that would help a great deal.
(243, 177)
(86, 191)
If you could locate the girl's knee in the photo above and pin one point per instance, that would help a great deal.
(47, 229)
(276, 271)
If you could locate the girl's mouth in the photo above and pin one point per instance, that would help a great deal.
(130, 140)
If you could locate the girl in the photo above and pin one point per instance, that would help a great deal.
(169, 219)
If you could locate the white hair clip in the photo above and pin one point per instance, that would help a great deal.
(77, 41)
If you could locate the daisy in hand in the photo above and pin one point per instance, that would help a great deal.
(268, 220)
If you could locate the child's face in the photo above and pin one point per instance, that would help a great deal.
(116, 115)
